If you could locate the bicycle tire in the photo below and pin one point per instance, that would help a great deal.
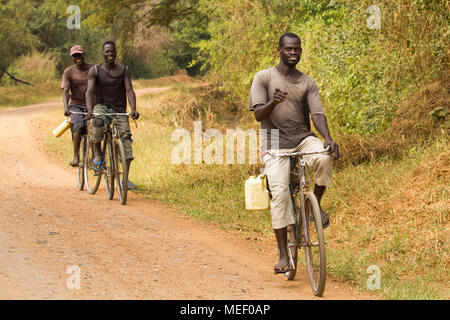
(121, 172)
(108, 174)
(80, 167)
(292, 252)
(314, 241)
(92, 181)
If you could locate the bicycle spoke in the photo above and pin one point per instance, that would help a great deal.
(314, 245)
(121, 172)
(109, 167)
(92, 181)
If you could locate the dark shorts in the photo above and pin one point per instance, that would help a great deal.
(78, 120)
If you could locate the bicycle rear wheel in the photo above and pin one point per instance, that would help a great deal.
(314, 242)
(80, 168)
(121, 171)
(92, 181)
(109, 168)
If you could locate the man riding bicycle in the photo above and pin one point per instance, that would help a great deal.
(282, 99)
(74, 85)
(111, 84)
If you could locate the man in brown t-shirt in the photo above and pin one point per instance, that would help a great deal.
(282, 99)
(74, 85)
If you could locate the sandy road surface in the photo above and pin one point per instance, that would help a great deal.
(143, 250)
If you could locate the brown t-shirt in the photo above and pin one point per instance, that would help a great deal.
(291, 117)
(76, 80)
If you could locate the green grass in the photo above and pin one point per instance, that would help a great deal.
(22, 95)
(389, 213)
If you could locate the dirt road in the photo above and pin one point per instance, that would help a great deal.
(51, 233)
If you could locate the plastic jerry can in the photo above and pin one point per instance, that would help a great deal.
(256, 193)
(59, 130)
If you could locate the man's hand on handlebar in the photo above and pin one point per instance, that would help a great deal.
(66, 112)
(334, 149)
(135, 115)
(88, 115)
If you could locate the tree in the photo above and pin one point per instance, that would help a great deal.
(15, 36)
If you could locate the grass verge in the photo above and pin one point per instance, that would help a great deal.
(22, 95)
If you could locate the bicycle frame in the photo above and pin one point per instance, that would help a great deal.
(305, 185)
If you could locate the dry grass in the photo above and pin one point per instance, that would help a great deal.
(40, 70)
(22, 95)
(395, 214)
(178, 80)
(413, 125)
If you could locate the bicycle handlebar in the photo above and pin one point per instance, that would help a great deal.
(102, 114)
(297, 153)
(76, 112)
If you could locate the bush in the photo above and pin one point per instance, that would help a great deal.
(35, 67)
(363, 73)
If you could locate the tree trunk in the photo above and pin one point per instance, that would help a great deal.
(17, 79)
(2, 72)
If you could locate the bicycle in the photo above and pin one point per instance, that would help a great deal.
(116, 169)
(86, 175)
(80, 167)
(307, 231)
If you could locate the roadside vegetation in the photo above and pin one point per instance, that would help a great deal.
(37, 68)
(392, 212)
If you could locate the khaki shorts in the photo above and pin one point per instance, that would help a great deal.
(277, 170)
(123, 124)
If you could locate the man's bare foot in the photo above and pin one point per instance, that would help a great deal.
(282, 266)
(325, 219)
(74, 162)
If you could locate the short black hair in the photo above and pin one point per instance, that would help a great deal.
(290, 35)
(108, 42)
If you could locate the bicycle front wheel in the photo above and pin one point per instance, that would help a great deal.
(292, 249)
(314, 244)
(109, 168)
(121, 171)
(80, 168)
(91, 180)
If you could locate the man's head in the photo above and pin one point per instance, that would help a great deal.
(290, 49)
(77, 54)
(109, 51)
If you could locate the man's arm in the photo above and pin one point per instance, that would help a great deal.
(65, 85)
(318, 117)
(131, 95)
(66, 97)
(262, 111)
(90, 92)
(320, 123)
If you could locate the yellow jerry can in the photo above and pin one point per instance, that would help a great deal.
(59, 130)
(256, 193)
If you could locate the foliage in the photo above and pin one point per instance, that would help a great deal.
(35, 67)
(15, 37)
(184, 35)
(363, 73)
